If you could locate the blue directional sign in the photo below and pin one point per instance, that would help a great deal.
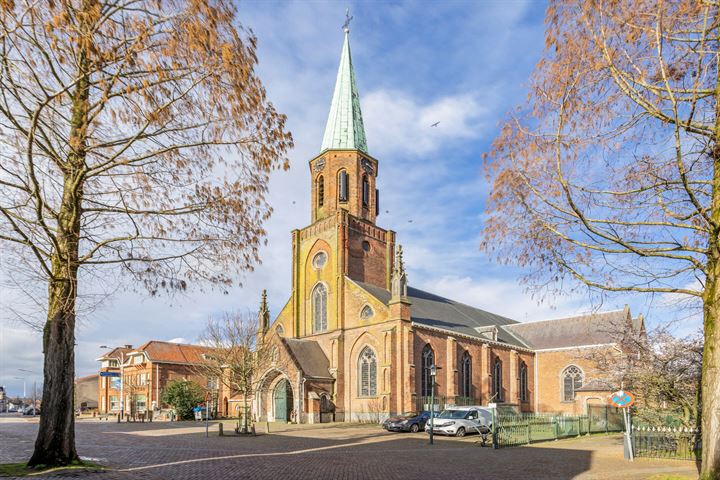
(109, 374)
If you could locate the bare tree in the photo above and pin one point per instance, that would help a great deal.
(239, 355)
(610, 177)
(662, 370)
(134, 134)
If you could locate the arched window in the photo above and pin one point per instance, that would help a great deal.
(523, 380)
(367, 312)
(365, 191)
(466, 375)
(280, 330)
(572, 379)
(428, 360)
(343, 182)
(367, 372)
(497, 388)
(320, 191)
(319, 308)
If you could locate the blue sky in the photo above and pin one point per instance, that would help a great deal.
(464, 64)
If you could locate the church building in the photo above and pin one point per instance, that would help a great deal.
(355, 342)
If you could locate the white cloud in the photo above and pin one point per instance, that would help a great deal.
(396, 122)
(178, 340)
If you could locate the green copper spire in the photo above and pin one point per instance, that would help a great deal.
(344, 129)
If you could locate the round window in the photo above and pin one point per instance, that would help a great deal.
(366, 245)
(366, 312)
(319, 260)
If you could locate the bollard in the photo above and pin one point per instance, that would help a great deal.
(220, 429)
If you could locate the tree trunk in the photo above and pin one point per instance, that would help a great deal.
(55, 443)
(710, 379)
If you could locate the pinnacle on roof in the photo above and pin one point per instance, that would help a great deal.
(344, 129)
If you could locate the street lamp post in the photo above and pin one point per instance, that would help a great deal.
(34, 406)
(24, 389)
(433, 372)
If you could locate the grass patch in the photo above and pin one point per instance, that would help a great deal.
(22, 470)
(664, 476)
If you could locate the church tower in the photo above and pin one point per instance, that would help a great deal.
(344, 174)
(343, 241)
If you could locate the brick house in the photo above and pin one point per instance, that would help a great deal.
(356, 342)
(145, 372)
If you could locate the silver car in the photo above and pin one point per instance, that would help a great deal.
(459, 421)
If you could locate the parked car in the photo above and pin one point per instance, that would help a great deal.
(407, 422)
(459, 421)
(31, 411)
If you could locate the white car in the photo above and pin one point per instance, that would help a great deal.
(459, 421)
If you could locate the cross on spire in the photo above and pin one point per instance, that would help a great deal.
(348, 18)
(344, 129)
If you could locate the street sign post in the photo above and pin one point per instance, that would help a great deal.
(624, 400)
(207, 414)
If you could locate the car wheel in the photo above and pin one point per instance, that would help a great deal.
(460, 432)
(414, 428)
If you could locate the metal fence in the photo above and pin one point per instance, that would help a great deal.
(521, 429)
(423, 404)
(666, 442)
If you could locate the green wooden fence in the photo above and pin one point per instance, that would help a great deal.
(521, 429)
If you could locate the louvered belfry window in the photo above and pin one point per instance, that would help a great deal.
(365, 191)
(319, 305)
(321, 191)
(343, 186)
(367, 372)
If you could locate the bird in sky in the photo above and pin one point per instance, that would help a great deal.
(435, 124)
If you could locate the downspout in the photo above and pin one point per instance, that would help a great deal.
(536, 387)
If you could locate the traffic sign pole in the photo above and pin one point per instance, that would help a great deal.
(624, 400)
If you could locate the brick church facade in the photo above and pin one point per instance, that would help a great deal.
(355, 342)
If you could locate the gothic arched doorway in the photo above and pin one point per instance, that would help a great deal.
(283, 401)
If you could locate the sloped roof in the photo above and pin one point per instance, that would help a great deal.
(439, 312)
(309, 357)
(344, 129)
(168, 352)
(116, 353)
(590, 329)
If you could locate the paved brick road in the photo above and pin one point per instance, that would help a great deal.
(180, 451)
